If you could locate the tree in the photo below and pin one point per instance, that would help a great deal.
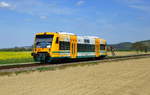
(145, 48)
(137, 46)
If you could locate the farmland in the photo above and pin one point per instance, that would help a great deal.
(124, 53)
(21, 57)
(15, 57)
(130, 77)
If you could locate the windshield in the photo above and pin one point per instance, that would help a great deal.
(43, 41)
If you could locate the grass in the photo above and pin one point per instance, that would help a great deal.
(43, 69)
(124, 53)
(15, 57)
(8, 57)
(65, 66)
(53, 68)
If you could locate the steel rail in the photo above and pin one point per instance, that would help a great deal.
(34, 66)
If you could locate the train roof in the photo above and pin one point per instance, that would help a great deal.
(66, 33)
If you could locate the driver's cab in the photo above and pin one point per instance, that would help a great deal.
(45, 41)
(44, 45)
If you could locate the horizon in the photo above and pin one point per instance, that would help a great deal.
(108, 44)
(115, 20)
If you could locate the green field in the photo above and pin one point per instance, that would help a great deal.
(7, 57)
(15, 57)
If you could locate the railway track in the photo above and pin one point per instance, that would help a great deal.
(34, 66)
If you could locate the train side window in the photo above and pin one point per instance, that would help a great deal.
(57, 40)
(64, 45)
(86, 48)
(86, 41)
(102, 47)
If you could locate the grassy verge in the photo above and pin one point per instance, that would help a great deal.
(42, 69)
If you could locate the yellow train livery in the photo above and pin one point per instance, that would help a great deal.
(50, 46)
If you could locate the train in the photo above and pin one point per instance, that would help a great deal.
(50, 46)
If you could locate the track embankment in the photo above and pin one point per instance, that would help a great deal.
(128, 77)
(34, 66)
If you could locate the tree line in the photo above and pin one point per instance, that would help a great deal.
(16, 49)
(138, 46)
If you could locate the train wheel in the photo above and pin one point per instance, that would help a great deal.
(102, 57)
(45, 61)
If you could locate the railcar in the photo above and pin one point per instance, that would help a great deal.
(50, 46)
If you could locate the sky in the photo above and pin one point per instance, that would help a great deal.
(114, 20)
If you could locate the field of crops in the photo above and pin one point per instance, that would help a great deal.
(15, 57)
(21, 57)
(124, 53)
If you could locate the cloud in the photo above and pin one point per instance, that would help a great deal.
(141, 7)
(43, 17)
(133, 1)
(4, 5)
(79, 3)
(39, 8)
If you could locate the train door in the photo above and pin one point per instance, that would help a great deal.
(73, 46)
(97, 47)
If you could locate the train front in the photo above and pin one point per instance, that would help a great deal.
(42, 47)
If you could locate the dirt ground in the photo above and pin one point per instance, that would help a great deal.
(131, 77)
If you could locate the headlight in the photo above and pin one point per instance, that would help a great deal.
(48, 46)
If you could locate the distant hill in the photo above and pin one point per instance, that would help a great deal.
(128, 45)
(121, 46)
(24, 48)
